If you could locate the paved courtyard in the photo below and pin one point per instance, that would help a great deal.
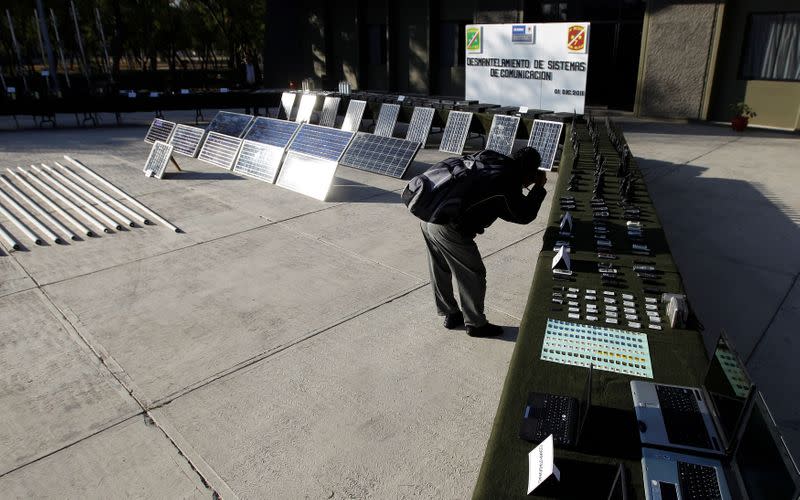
(284, 347)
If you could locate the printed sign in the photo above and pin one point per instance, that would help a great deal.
(540, 66)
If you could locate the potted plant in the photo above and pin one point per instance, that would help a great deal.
(741, 116)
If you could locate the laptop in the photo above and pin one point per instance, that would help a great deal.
(561, 416)
(699, 419)
(761, 467)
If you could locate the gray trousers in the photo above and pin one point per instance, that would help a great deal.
(452, 254)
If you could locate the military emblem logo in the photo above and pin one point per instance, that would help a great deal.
(576, 38)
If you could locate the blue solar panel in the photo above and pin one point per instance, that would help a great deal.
(232, 124)
(271, 131)
(321, 142)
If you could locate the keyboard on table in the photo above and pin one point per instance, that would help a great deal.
(698, 482)
(556, 418)
(682, 418)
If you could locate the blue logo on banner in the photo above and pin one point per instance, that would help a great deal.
(522, 33)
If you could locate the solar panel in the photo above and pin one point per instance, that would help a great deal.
(287, 102)
(220, 150)
(502, 134)
(455, 132)
(352, 119)
(420, 125)
(307, 175)
(307, 103)
(387, 118)
(381, 155)
(157, 159)
(232, 124)
(545, 137)
(271, 131)
(160, 130)
(330, 109)
(321, 142)
(186, 140)
(260, 161)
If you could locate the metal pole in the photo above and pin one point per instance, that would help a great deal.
(87, 195)
(41, 211)
(60, 197)
(122, 193)
(79, 39)
(60, 50)
(10, 241)
(33, 220)
(103, 40)
(22, 227)
(50, 203)
(104, 195)
(45, 38)
(88, 206)
(16, 49)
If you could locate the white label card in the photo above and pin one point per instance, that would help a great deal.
(541, 465)
(523, 110)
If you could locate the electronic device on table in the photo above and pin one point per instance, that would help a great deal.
(702, 419)
(562, 416)
(761, 466)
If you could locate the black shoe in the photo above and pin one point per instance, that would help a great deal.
(453, 320)
(487, 330)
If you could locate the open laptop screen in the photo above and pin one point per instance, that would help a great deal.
(728, 386)
(763, 462)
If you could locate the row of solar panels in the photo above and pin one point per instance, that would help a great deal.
(502, 134)
(418, 128)
(302, 157)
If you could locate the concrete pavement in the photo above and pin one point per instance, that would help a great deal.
(285, 347)
(282, 347)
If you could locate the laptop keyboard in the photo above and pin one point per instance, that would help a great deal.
(698, 482)
(555, 419)
(682, 418)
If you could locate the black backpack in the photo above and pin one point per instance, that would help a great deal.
(437, 195)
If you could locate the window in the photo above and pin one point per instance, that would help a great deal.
(772, 47)
(452, 44)
(376, 34)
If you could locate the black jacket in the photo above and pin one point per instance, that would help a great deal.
(500, 196)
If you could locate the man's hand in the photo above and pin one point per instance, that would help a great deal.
(540, 178)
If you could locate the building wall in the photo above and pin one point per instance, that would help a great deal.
(674, 68)
(776, 103)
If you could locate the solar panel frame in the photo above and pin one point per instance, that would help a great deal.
(455, 132)
(272, 131)
(157, 160)
(160, 130)
(389, 156)
(502, 134)
(330, 109)
(259, 161)
(307, 175)
(420, 125)
(387, 119)
(545, 137)
(307, 103)
(186, 140)
(230, 124)
(220, 150)
(320, 142)
(354, 115)
(287, 103)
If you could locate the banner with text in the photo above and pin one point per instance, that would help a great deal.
(541, 66)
